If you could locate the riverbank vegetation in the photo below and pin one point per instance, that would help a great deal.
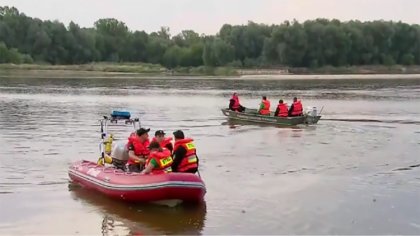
(315, 46)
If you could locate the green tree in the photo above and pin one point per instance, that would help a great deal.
(313, 43)
(4, 53)
(12, 55)
(172, 56)
(217, 53)
(111, 38)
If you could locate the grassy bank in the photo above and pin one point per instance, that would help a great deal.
(93, 67)
(138, 70)
(113, 69)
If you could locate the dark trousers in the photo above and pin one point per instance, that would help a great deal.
(135, 168)
(240, 109)
(192, 171)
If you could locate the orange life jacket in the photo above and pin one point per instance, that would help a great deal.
(190, 160)
(297, 108)
(164, 160)
(266, 109)
(140, 149)
(283, 110)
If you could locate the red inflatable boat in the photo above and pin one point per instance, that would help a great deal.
(134, 187)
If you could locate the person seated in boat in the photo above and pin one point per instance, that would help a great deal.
(165, 142)
(138, 150)
(234, 104)
(264, 107)
(159, 160)
(296, 109)
(282, 110)
(185, 155)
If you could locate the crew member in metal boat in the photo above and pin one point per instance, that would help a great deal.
(165, 142)
(282, 110)
(264, 107)
(138, 144)
(159, 160)
(234, 103)
(185, 154)
(296, 109)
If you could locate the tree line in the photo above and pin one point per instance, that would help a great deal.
(313, 43)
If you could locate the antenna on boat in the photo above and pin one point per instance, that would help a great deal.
(103, 123)
(102, 126)
(322, 108)
(136, 120)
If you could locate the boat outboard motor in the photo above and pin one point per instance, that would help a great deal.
(311, 115)
(119, 155)
(314, 112)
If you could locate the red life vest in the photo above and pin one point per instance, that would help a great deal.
(297, 108)
(140, 149)
(164, 160)
(283, 110)
(236, 103)
(164, 142)
(266, 109)
(190, 160)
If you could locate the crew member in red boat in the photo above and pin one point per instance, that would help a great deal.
(185, 156)
(264, 107)
(159, 160)
(282, 110)
(138, 149)
(234, 103)
(296, 109)
(165, 142)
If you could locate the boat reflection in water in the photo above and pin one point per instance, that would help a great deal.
(120, 218)
(233, 124)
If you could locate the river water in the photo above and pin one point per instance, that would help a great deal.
(353, 173)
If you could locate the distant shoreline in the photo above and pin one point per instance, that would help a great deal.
(140, 71)
(332, 77)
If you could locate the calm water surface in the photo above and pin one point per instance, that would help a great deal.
(356, 172)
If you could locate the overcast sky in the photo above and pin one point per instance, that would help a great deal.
(207, 16)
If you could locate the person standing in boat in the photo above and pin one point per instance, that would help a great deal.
(138, 150)
(296, 109)
(185, 155)
(264, 107)
(159, 160)
(282, 110)
(165, 142)
(234, 103)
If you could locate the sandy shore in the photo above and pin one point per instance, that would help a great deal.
(68, 74)
(333, 77)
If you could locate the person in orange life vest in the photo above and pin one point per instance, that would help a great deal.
(185, 156)
(264, 107)
(165, 142)
(234, 103)
(296, 109)
(138, 151)
(282, 110)
(159, 160)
